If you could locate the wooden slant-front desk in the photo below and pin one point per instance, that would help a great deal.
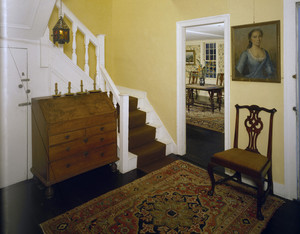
(72, 135)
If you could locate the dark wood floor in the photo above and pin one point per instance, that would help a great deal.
(24, 206)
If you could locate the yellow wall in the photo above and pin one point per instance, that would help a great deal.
(141, 51)
(264, 94)
(144, 55)
(96, 16)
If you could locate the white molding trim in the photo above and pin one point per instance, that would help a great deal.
(181, 118)
(290, 127)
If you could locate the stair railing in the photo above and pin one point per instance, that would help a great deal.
(103, 80)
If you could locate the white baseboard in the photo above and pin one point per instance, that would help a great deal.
(278, 189)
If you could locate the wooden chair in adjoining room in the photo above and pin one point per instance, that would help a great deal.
(220, 79)
(220, 82)
(248, 161)
(193, 79)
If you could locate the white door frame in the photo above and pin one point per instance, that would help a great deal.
(290, 68)
(181, 117)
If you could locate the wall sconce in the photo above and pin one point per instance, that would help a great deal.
(61, 31)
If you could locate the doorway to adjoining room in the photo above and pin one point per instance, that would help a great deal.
(204, 79)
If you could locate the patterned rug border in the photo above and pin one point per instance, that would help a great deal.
(179, 164)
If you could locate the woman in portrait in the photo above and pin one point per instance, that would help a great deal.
(255, 61)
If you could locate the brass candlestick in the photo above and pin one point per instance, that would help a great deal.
(95, 90)
(81, 89)
(56, 92)
(69, 90)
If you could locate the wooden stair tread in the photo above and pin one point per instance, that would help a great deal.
(149, 148)
(142, 140)
(137, 118)
(140, 130)
(132, 103)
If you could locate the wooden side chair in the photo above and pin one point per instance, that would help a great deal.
(220, 82)
(193, 79)
(248, 161)
(220, 79)
(194, 75)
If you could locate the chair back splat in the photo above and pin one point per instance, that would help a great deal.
(248, 161)
(254, 126)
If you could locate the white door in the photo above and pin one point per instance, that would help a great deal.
(298, 105)
(15, 117)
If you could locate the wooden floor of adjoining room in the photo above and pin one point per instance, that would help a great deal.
(24, 206)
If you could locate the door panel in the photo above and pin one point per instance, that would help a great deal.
(16, 116)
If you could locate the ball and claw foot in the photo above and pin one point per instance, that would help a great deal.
(259, 215)
(114, 168)
(49, 192)
(210, 192)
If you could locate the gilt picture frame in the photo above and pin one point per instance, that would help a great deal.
(256, 52)
(190, 57)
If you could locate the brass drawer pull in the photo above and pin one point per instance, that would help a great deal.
(102, 129)
(68, 148)
(86, 140)
(67, 136)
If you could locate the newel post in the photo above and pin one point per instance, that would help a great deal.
(100, 59)
(123, 143)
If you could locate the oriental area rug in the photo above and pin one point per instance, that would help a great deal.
(170, 200)
(204, 118)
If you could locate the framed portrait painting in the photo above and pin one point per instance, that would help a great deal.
(190, 57)
(256, 52)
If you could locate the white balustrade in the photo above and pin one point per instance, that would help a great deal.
(102, 79)
(97, 52)
(86, 57)
(74, 31)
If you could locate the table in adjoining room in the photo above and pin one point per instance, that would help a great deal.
(210, 88)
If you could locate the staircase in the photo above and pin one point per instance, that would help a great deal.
(137, 144)
(150, 152)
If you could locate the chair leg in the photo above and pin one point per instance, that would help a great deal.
(260, 195)
(238, 176)
(212, 178)
(270, 181)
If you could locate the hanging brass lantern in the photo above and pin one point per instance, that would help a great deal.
(61, 32)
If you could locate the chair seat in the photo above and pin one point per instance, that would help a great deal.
(244, 161)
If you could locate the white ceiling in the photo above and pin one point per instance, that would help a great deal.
(205, 32)
(26, 19)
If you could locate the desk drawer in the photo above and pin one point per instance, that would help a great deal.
(64, 150)
(81, 145)
(68, 167)
(66, 137)
(101, 129)
(102, 139)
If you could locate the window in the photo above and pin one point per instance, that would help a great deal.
(210, 60)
